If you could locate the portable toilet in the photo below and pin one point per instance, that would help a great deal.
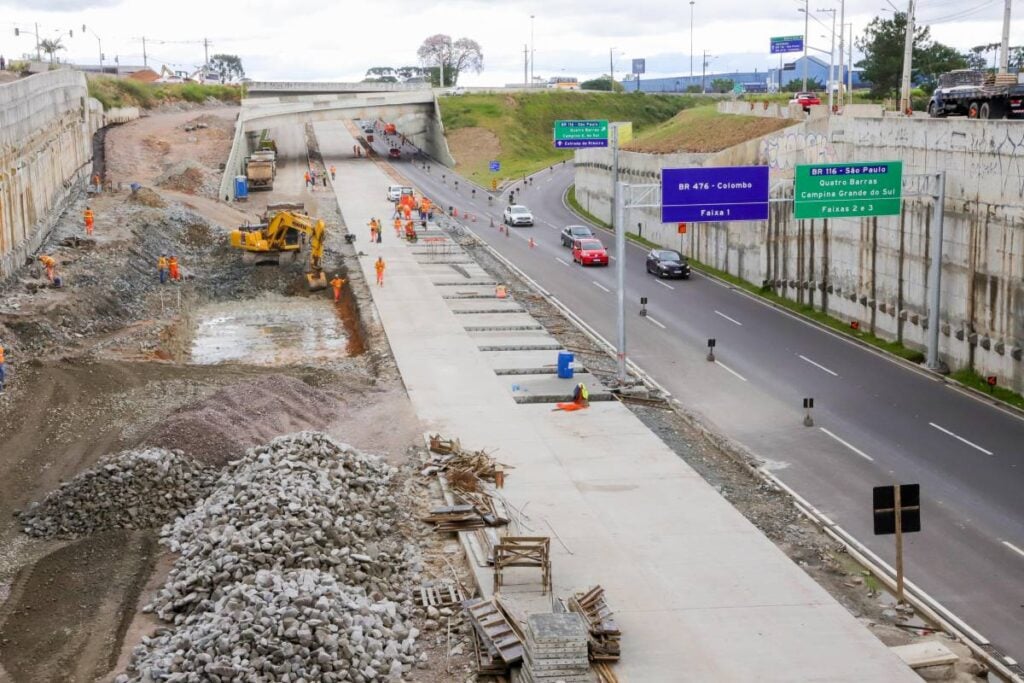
(241, 188)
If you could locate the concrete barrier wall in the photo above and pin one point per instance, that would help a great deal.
(874, 270)
(46, 126)
(120, 115)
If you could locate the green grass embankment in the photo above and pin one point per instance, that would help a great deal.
(516, 128)
(124, 92)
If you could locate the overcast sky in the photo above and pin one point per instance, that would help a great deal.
(294, 40)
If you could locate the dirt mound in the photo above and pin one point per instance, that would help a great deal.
(147, 197)
(220, 428)
(186, 178)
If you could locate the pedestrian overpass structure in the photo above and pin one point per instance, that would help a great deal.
(272, 105)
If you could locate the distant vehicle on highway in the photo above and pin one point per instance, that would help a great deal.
(806, 100)
(575, 232)
(395, 192)
(456, 91)
(668, 263)
(590, 252)
(517, 215)
(394, 153)
(977, 95)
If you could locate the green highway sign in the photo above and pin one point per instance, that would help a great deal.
(869, 188)
(591, 133)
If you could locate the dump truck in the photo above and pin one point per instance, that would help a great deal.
(977, 95)
(261, 169)
(280, 237)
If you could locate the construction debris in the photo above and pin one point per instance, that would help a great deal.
(455, 518)
(464, 469)
(604, 632)
(523, 551)
(556, 649)
(502, 645)
(440, 594)
(139, 489)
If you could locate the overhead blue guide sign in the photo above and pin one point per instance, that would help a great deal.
(715, 193)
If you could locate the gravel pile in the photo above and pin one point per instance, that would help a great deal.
(292, 568)
(130, 490)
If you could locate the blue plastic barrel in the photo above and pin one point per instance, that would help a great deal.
(241, 187)
(565, 359)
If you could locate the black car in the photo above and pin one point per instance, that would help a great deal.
(571, 233)
(667, 263)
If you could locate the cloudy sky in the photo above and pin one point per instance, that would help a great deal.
(289, 39)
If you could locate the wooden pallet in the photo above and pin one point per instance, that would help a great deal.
(604, 632)
(440, 594)
(498, 637)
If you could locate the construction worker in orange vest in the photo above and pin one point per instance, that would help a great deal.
(332, 171)
(337, 282)
(3, 369)
(50, 264)
(379, 267)
(89, 218)
(172, 265)
(374, 227)
(161, 268)
(398, 227)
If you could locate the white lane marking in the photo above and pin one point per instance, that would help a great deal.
(656, 322)
(664, 284)
(732, 320)
(848, 445)
(730, 370)
(818, 365)
(960, 438)
(561, 261)
(601, 287)
(611, 257)
(552, 225)
(1014, 548)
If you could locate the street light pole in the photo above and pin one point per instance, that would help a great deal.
(533, 53)
(611, 69)
(908, 55)
(99, 43)
(831, 60)
(691, 40)
(807, 17)
(842, 34)
(1004, 45)
(703, 72)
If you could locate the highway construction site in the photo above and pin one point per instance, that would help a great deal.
(223, 477)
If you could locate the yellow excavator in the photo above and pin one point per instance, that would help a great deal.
(279, 238)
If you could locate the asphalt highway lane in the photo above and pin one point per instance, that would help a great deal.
(875, 421)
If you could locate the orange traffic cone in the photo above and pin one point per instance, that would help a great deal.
(500, 292)
(455, 213)
(532, 243)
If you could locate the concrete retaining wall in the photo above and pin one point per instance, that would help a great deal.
(874, 270)
(46, 126)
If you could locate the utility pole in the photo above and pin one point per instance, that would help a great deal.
(1004, 48)
(691, 41)
(703, 71)
(831, 61)
(842, 34)
(39, 54)
(935, 271)
(807, 17)
(908, 55)
(206, 52)
(145, 62)
(533, 53)
(611, 68)
(526, 65)
(849, 72)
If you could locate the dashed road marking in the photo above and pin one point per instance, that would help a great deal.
(664, 284)
(1014, 548)
(730, 370)
(848, 445)
(601, 287)
(734, 321)
(961, 439)
(817, 365)
(564, 263)
(655, 322)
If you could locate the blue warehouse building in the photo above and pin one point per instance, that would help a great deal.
(753, 81)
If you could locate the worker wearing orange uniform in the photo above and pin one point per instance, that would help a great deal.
(89, 218)
(398, 227)
(337, 282)
(50, 264)
(379, 267)
(374, 227)
(161, 268)
(172, 266)
(3, 369)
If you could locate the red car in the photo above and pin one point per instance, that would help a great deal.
(394, 153)
(589, 252)
(806, 100)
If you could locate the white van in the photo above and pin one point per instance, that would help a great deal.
(395, 192)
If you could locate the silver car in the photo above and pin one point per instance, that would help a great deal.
(517, 214)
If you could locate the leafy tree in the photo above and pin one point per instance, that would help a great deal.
(406, 72)
(693, 88)
(51, 47)
(379, 72)
(797, 85)
(882, 45)
(721, 85)
(464, 54)
(228, 67)
(604, 82)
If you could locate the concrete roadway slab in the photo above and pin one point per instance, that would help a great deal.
(525, 360)
(497, 322)
(549, 389)
(699, 593)
(480, 305)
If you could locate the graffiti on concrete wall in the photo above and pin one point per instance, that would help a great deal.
(789, 149)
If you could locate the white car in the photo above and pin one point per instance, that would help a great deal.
(457, 91)
(395, 192)
(517, 214)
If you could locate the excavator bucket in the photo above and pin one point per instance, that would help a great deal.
(316, 281)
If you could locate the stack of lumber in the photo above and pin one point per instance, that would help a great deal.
(556, 649)
(604, 632)
(455, 518)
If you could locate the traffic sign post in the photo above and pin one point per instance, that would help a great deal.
(847, 190)
(578, 134)
(714, 194)
(639, 67)
(897, 510)
(781, 44)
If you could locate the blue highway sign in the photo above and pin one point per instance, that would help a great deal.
(781, 44)
(495, 166)
(714, 193)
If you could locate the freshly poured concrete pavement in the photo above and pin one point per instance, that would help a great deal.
(699, 592)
